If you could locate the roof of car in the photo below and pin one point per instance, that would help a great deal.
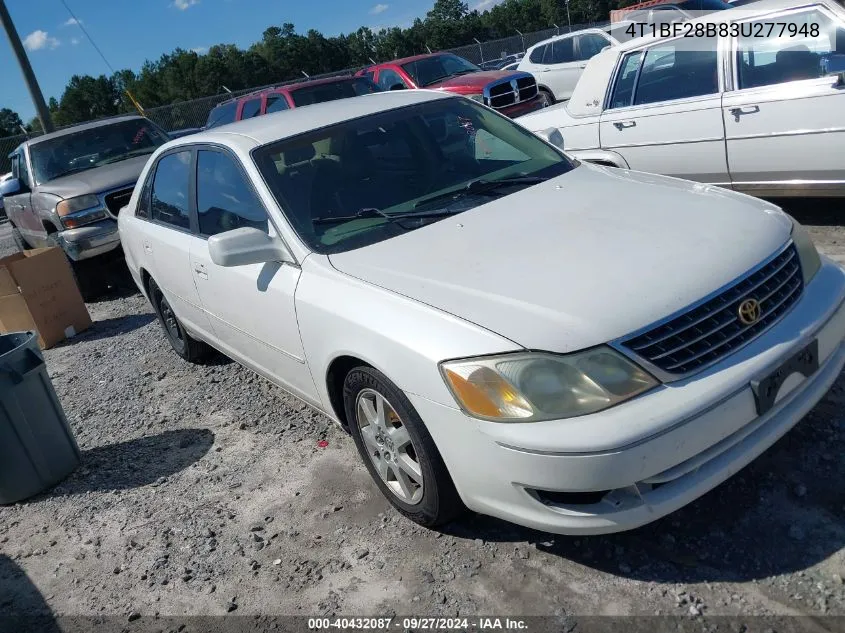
(271, 127)
(81, 127)
(407, 60)
(563, 36)
(291, 87)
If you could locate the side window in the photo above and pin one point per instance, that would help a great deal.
(766, 58)
(536, 56)
(170, 190)
(225, 199)
(590, 45)
(276, 103)
(623, 91)
(222, 114)
(563, 51)
(23, 172)
(371, 75)
(678, 69)
(143, 208)
(252, 107)
(388, 78)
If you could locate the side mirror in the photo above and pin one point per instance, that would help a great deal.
(397, 87)
(246, 245)
(551, 135)
(11, 187)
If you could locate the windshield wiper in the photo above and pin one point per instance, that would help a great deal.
(131, 154)
(372, 212)
(68, 172)
(483, 187)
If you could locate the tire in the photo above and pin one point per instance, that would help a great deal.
(183, 344)
(20, 244)
(547, 97)
(398, 450)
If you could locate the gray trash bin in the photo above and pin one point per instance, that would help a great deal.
(37, 447)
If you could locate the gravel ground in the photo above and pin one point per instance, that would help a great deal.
(203, 490)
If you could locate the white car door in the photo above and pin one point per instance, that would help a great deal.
(664, 114)
(162, 236)
(559, 70)
(784, 120)
(251, 307)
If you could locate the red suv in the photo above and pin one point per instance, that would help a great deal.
(512, 93)
(290, 96)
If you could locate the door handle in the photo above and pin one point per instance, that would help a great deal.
(738, 112)
(148, 247)
(199, 269)
(621, 125)
(582, 65)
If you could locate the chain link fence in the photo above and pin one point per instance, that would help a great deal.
(194, 113)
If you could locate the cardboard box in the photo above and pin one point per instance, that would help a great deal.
(38, 292)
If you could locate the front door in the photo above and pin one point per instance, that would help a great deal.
(664, 114)
(560, 69)
(785, 120)
(19, 207)
(251, 307)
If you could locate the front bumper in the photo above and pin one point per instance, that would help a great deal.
(524, 107)
(90, 240)
(634, 463)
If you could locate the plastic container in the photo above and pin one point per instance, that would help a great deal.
(37, 447)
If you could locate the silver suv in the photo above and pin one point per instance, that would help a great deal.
(67, 188)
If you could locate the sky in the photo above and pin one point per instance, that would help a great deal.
(132, 31)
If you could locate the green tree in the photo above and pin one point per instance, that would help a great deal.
(10, 122)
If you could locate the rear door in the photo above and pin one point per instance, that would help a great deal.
(251, 307)
(664, 114)
(561, 68)
(249, 108)
(785, 120)
(166, 235)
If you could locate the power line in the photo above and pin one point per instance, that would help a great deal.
(90, 39)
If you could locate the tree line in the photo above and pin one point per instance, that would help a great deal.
(283, 54)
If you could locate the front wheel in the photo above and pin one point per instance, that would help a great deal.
(546, 98)
(397, 449)
(182, 343)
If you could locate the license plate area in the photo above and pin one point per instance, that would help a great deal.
(805, 361)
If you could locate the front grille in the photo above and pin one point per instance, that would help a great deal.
(506, 93)
(713, 329)
(116, 200)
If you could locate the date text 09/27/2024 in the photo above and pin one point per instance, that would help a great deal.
(418, 624)
(724, 29)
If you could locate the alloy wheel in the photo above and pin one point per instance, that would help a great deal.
(389, 446)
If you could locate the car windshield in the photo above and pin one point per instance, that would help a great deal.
(430, 70)
(94, 147)
(319, 93)
(373, 178)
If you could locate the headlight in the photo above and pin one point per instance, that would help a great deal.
(72, 205)
(807, 253)
(477, 98)
(533, 386)
(75, 212)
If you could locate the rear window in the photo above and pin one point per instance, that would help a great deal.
(222, 114)
(320, 93)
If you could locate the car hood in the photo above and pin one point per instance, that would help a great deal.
(579, 260)
(474, 80)
(96, 180)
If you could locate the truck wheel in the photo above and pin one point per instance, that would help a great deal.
(546, 97)
(20, 244)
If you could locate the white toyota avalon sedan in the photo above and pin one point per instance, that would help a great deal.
(570, 347)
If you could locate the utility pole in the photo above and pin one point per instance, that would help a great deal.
(26, 69)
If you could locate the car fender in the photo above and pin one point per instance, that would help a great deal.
(340, 315)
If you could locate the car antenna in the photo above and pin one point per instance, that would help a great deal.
(427, 48)
(373, 61)
(225, 88)
(305, 73)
